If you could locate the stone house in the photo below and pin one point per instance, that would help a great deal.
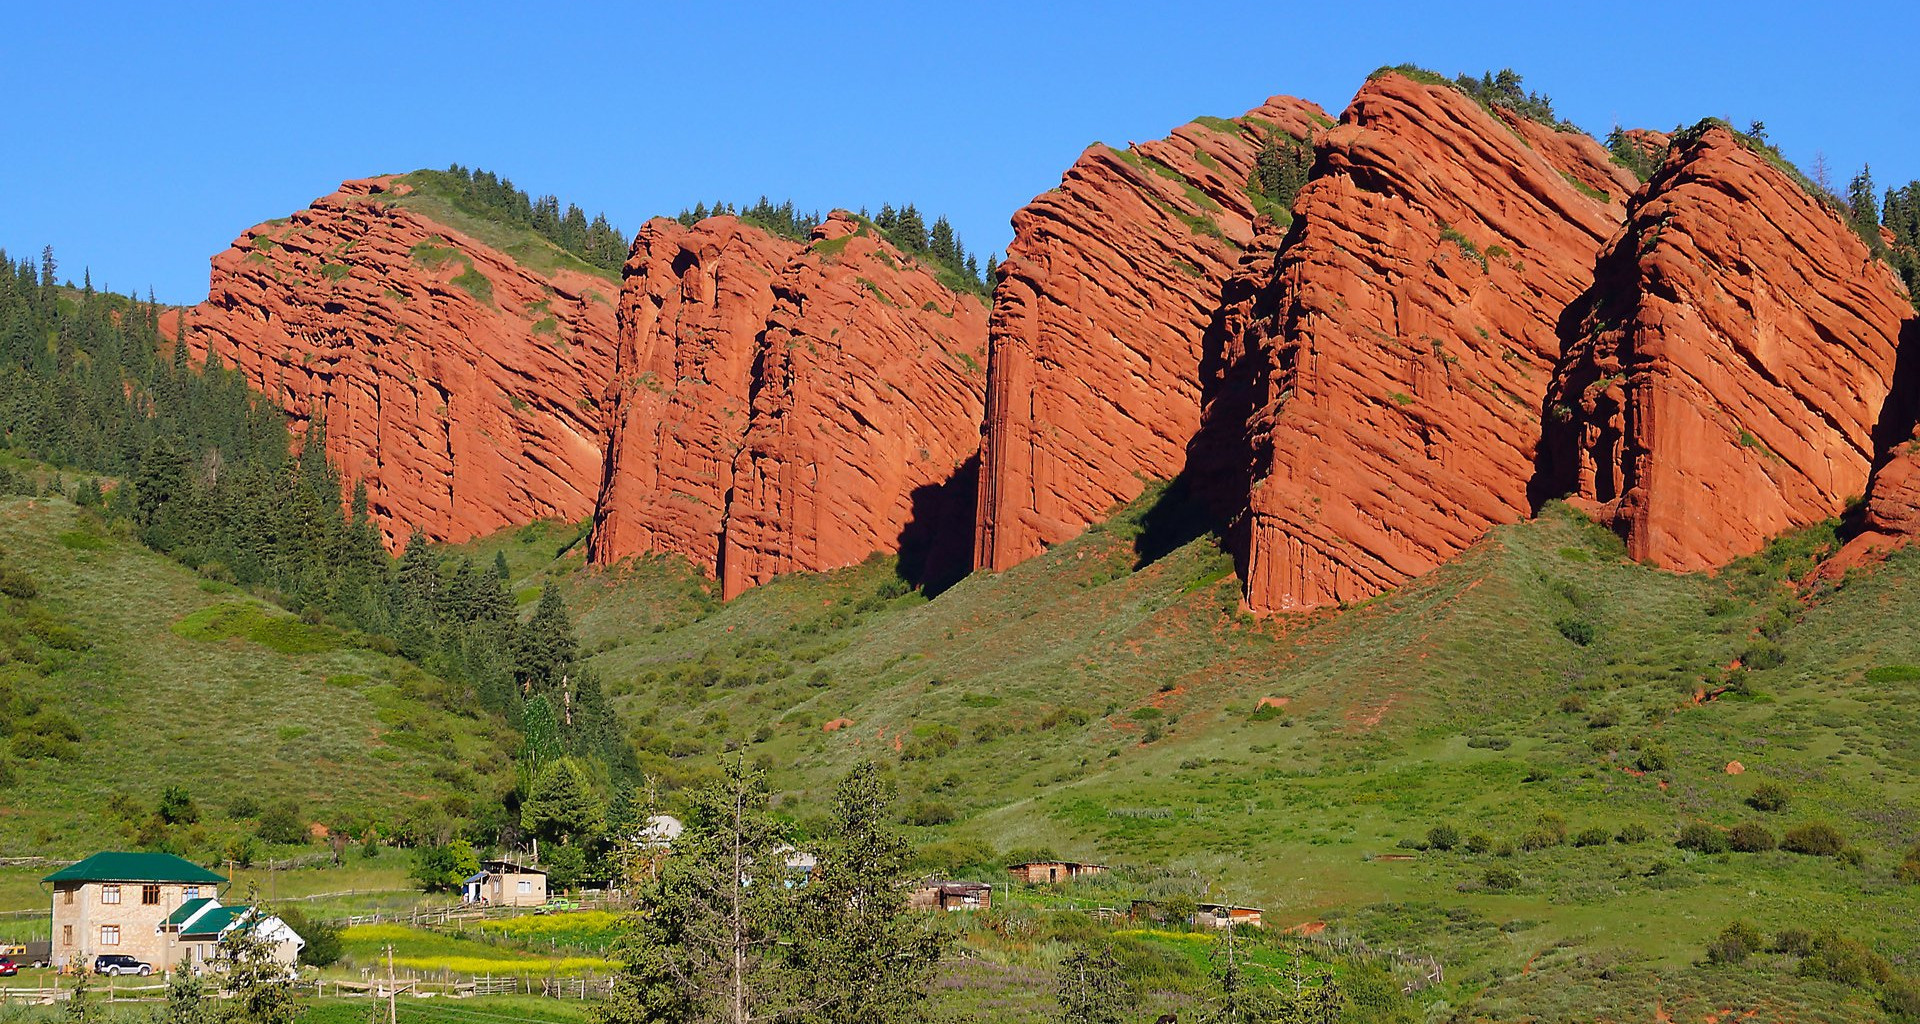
(117, 902)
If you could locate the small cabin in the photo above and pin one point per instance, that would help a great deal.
(936, 895)
(1221, 915)
(504, 883)
(1048, 872)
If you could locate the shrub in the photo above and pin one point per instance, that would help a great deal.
(1701, 837)
(1837, 958)
(1763, 655)
(1580, 631)
(1605, 718)
(1735, 943)
(1750, 837)
(1489, 742)
(1792, 941)
(1479, 843)
(1901, 998)
(929, 812)
(1652, 759)
(1573, 704)
(1633, 832)
(1909, 870)
(1852, 856)
(1501, 878)
(1769, 797)
(281, 824)
(1548, 830)
(1816, 839)
(1595, 836)
(1443, 837)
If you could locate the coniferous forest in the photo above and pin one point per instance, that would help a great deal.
(200, 468)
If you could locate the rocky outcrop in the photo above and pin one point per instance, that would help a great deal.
(782, 408)
(1096, 335)
(458, 384)
(692, 308)
(1394, 356)
(1723, 382)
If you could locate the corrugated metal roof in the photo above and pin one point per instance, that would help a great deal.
(134, 867)
(186, 912)
(215, 922)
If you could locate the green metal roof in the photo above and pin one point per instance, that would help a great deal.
(187, 910)
(134, 867)
(216, 921)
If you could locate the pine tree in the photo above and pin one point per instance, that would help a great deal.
(868, 958)
(561, 806)
(704, 941)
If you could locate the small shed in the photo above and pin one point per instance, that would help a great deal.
(200, 926)
(505, 883)
(945, 895)
(1222, 915)
(1047, 872)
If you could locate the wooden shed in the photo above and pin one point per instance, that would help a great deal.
(1046, 872)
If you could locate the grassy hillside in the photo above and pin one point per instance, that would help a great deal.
(125, 674)
(1560, 709)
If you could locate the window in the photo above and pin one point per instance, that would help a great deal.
(526, 886)
(109, 935)
(192, 892)
(109, 894)
(66, 896)
(150, 895)
(66, 930)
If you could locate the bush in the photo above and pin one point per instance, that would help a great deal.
(1633, 832)
(177, 806)
(1605, 718)
(1573, 704)
(1479, 843)
(1750, 837)
(281, 824)
(1837, 958)
(1792, 941)
(1817, 839)
(323, 948)
(1735, 943)
(1701, 837)
(1580, 631)
(1909, 870)
(242, 807)
(1548, 830)
(929, 812)
(1652, 759)
(1501, 878)
(1769, 797)
(1595, 836)
(1763, 655)
(1901, 998)
(1443, 837)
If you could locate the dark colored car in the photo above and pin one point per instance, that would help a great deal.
(120, 963)
(7, 968)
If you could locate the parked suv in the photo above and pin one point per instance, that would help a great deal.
(120, 963)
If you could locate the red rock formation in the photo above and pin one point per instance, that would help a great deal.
(1725, 386)
(1096, 336)
(458, 384)
(1401, 346)
(693, 304)
(784, 408)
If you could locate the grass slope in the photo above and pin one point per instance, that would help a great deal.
(176, 680)
(1129, 714)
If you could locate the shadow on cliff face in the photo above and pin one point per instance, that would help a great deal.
(936, 545)
(1611, 300)
(1898, 420)
(1209, 496)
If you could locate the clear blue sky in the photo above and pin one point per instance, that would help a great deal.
(142, 138)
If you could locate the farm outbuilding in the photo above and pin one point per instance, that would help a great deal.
(938, 895)
(504, 883)
(1046, 872)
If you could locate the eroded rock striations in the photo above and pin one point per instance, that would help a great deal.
(781, 407)
(458, 384)
(1725, 381)
(1096, 335)
(1394, 356)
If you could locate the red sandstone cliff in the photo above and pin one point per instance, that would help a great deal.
(459, 385)
(780, 407)
(1725, 385)
(1395, 354)
(1096, 335)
